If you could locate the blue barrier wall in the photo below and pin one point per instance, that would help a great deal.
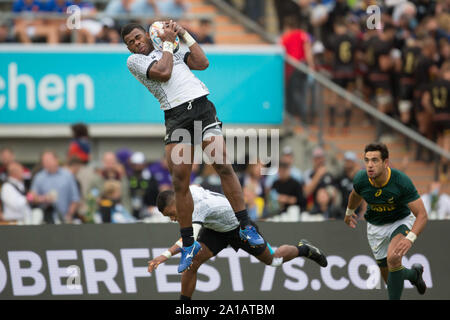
(66, 84)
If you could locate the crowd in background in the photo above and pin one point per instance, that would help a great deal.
(124, 187)
(396, 56)
(49, 20)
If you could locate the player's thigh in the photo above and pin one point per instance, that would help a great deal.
(215, 149)
(392, 259)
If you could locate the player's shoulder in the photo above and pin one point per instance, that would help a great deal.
(400, 178)
(360, 176)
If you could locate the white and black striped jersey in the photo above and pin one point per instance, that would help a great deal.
(182, 86)
(212, 210)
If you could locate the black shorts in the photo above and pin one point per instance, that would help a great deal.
(194, 120)
(217, 241)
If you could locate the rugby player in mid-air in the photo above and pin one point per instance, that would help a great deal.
(395, 217)
(167, 75)
(217, 227)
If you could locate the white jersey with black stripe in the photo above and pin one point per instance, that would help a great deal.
(183, 85)
(212, 210)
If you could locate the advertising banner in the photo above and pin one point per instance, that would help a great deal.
(110, 262)
(92, 84)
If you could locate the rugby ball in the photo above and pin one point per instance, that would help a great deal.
(156, 40)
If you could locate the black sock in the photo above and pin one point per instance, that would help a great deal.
(184, 297)
(187, 235)
(303, 251)
(243, 218)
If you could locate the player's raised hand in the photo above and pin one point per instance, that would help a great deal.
(179, 29)
(153, 264)
(351, 220)
(169, 32)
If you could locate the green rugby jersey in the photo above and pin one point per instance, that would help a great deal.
(388, 203)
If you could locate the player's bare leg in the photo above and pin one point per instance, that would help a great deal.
(286, 253)
(180, 169)
(189, 277)
(215, 148)
(398, 273)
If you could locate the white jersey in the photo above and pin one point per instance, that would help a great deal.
(182, 86)
(212, 210)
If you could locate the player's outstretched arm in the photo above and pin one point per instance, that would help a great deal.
(354, 200)
(197, 59)
(418, 209)
(153, 264)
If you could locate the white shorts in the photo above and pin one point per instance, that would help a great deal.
(379, 236)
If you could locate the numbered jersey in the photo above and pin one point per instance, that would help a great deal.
(388, 203)
(439, 95)
(343, 47)
(410, 57)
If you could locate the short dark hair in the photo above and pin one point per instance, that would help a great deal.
(378, 146)
(126, 29)
(164, 199)
(79, 130)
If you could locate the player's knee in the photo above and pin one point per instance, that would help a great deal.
(394, 260)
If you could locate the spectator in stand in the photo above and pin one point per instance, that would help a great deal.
(123, 155)
(255, 10)
(209, 179)
(317, 177)
(345, 181)
(5, 35)
(253, 187)
(405, 67)
(343, 46)
(59, 7)
(75, 165)
(324, 205)
(28, 28)
(119, 8)
(289, 191)
(14, 197)
(80, 146)
(112, 170)
(426, 72)
(437, 203)
(145, 7)
(173, 8)
(297, 44)
(55, 189)
(143, 187)
(7, 157)
(287, 156)
(115, 7)
(111, 209)
(203, 34)
(160, 171)
(437, 104)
